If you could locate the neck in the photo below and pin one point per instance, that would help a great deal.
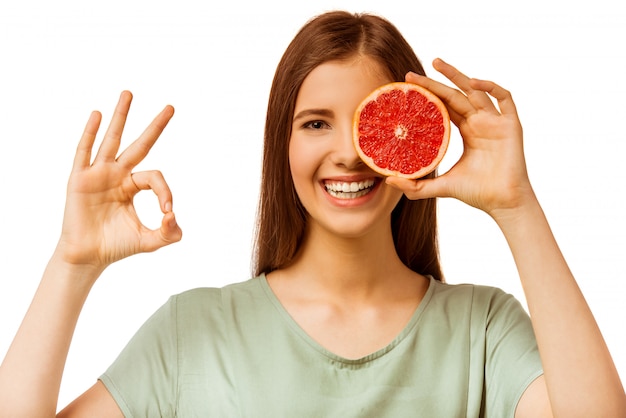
(354, 267)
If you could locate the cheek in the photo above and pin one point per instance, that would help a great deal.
(395, 196)
(305, 157)
(300, 164)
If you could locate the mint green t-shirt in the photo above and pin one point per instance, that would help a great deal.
(467, 351)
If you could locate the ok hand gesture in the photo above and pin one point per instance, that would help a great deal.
(100, 224)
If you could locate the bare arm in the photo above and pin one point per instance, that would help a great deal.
(96, 402)
(100, 226)
(580, 377)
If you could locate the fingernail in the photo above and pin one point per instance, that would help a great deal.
(172, 221)
(168, 206)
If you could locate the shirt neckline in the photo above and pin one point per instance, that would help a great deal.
(295, 327)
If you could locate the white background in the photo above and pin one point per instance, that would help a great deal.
(214, 62)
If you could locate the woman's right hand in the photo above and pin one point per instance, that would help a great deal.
(100, 224)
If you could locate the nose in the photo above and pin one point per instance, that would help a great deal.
(344, 154)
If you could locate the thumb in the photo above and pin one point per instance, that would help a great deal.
(421, 188)
(168, 233)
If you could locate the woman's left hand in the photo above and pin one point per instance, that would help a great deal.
(491, 174)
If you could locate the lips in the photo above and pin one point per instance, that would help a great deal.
(349, 189)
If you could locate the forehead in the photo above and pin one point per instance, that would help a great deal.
(333, 80)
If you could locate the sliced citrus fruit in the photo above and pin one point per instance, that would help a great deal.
(401, 129)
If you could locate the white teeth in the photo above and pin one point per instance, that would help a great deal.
(349, 190)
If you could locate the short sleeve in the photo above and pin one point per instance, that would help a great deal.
(143, 379)
(512, 357)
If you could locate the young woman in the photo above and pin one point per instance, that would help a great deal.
(348, 314)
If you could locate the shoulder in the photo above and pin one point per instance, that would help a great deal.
(205, 318)
(208, 297)
(480, 305)
(488, 297)
(212, 307)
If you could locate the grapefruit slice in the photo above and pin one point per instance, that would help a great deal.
(401, 129)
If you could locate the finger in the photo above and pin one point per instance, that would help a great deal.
(154, 180)
(112, 138)
(456, 102)
(478, 98)
(82, 159)
(168, 233)
(138, 150)
(452, 73)
(420, 189)
(438, 89)
(502, 95)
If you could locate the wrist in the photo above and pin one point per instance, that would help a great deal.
(62, 265)
(523, 214)
(516, 206)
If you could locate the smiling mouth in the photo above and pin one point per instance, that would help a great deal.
(349, 190)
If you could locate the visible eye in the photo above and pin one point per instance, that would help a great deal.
(316, 125)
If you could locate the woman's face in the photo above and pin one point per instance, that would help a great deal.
(340, 193)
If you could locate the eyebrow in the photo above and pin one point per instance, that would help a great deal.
(314, 112)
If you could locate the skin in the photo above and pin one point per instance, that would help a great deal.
(491, 176)
(348, 289)
(337, 288)
(100, 226)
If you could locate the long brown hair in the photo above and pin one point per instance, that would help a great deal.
(281, 218)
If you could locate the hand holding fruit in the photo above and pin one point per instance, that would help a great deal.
(100, 225)
(491, 174)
